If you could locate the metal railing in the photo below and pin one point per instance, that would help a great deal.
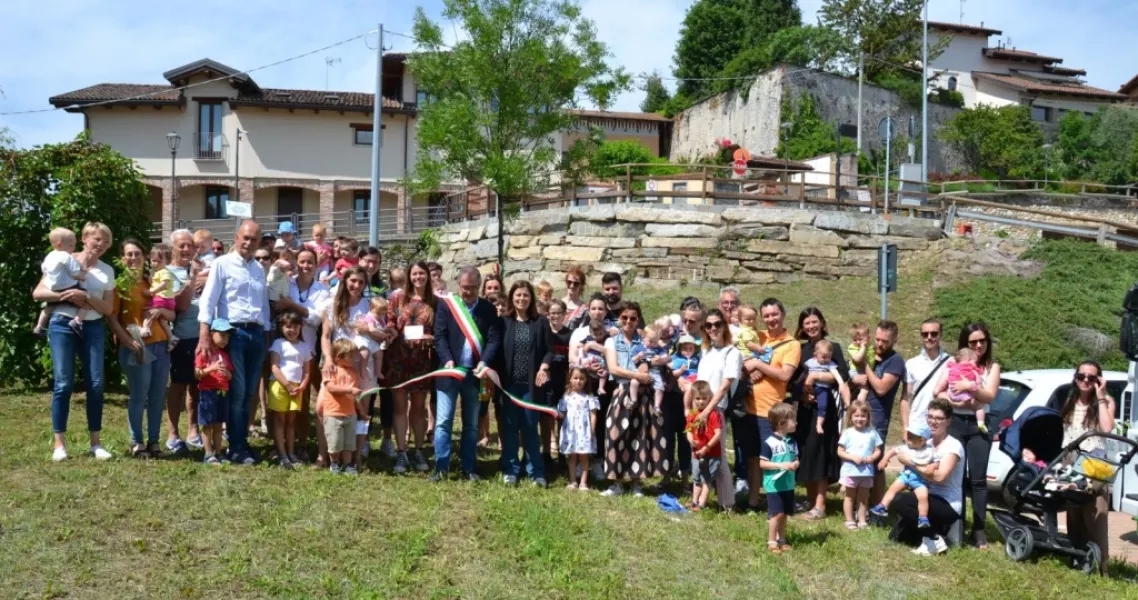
(350, 223)
(210, 146)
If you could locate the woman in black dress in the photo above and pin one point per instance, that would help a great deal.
(818, 461)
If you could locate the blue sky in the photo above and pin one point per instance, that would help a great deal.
(55, 46)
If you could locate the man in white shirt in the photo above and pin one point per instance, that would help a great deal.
(923, 371)
(235, 290)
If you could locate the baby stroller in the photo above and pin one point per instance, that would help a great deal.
(1035, 494)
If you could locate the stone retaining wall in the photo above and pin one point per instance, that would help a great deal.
(675, 246)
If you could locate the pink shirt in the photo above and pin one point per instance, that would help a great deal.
(963, 372)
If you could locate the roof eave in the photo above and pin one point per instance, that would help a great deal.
(78, 105)
(235, 103)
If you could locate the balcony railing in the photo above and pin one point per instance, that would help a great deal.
(210, 146)
(349, 223)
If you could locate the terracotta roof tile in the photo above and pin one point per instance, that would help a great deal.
(1064, 71)
(286, 98)
(145, 93)
(959, 27)
(1031, 85)
(1013, 54)
(604, 114)
(1128, 87)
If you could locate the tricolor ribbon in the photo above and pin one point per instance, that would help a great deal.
(460, 373)
(466, 324)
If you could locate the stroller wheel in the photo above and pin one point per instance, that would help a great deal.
(1018, 544)
(1091, 561)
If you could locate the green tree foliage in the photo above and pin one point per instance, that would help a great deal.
(656, 96)
(809, 135)
(805, 46)
(1032, 320)
(1004, 141)
(500, 94)
(888, 32)
(605, 160)
(1101, 148)
(59, 185)
(714, 32)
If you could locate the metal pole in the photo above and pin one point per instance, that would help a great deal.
(888, 147)
(376, 143)
(883, 278)
(237, 170)
(925, 98)
(860, 81)
(174, 182)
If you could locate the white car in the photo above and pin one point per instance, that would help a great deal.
(1020, 390)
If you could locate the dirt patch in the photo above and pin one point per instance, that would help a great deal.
(961, 259)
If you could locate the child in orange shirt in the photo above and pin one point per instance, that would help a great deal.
(336, 407)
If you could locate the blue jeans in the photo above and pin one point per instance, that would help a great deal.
(66, 345)
(147, 387)
(514, 419)
(450, 392)
(247, 353)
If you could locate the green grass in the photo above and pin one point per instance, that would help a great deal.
(1082, 286)
(178, 529)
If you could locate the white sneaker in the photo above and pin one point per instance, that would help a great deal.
(614, 490)
(101, 453)
(59, 454)
(636, 491)
(929, 547)
(940, 545)
(741, 487)
(387, 448)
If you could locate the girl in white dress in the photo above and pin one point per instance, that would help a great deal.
(578, 410)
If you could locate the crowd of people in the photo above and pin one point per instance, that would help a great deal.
(581, 386)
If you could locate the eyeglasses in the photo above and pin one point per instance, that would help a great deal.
(263, 258)
(932, 419)
(572, 283)
(930, 335)
(713, 325)
(627, 319)
(1084, 378)
(978, 342)
(729, 302)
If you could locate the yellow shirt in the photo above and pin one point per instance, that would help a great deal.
(745, 336)
(770, 391)
(162, 284)
(131, 311)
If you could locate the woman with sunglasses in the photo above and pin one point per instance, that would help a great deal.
(635, 446)
(965, 427)
(1088, 407)
(720, 365)
(574, 286)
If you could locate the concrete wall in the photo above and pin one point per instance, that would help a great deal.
(963, 55)
(678, 246)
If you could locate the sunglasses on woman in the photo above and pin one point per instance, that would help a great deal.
(572, 283)
(263, 258)
(978, 342)
(713, 325)
(1084, 378)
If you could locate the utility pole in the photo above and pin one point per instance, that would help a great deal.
(376, 144)
(925, 99)
(860, 81)
(237, 168)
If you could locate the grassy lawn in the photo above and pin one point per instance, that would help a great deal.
(178, 529)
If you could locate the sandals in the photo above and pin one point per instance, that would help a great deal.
(783, 546)
(139, 451)
(774, 547)
(851, 525)
(814, 515)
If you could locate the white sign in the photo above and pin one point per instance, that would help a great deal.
(239, 209)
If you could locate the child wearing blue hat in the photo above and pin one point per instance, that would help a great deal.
(920, 454)
(213, 371)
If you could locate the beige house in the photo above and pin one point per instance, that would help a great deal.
(288, 152)
(999, 75)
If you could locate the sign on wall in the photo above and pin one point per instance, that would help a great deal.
(239, 209)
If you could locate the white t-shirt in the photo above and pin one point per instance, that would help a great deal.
(951, 490)
(293, 356)
(100, 279)
(717, 364)
(345, 330)
(916, 370)
(315, 300)
(60, 270)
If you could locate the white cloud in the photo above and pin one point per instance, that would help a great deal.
(85, 42)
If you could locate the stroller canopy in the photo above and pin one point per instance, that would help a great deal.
(1038, 428)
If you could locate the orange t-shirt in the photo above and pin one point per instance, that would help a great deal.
(131, 311)
(342, 404)
(769, 391)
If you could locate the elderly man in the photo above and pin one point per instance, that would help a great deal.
(235, 290)
(468, 334)
(189, 278)
(729, 305)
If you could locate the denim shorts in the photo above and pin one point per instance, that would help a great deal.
(704, 469)
(213, 407)
(912, 480)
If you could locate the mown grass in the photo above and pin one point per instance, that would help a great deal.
(1082, 285)
(177, 529)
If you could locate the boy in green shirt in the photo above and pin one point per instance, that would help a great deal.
(778, 457)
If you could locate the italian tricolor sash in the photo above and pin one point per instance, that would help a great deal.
(460, 373)
(466, 324)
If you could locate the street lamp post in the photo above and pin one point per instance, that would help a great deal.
(1046, 165)
(173, 140)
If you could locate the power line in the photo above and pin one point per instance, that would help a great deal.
(191, 85)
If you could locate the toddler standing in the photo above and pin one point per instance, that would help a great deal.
(61, 271)
(920, 453)
(291, 361)
(578, 413)
(705, 438)
(213, 372)
(337, 409)
(778, 458)
(859, 448)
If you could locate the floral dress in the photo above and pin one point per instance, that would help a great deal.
(406, 360)
(576, 430)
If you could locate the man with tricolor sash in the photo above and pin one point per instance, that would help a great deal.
(468, 335)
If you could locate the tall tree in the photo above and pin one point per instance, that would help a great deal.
(714, 32)
(888, 32)
(806, 46)
(1003, 141)
(501, 92)
(656, 96)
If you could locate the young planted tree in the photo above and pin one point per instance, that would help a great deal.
(500, 94)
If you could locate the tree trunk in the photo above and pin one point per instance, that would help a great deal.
(501, 236)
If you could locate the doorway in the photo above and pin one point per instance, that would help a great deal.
(289, 200)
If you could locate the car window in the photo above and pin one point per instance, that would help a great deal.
(1055, 402)
(1007, 400)
(1116, 389)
